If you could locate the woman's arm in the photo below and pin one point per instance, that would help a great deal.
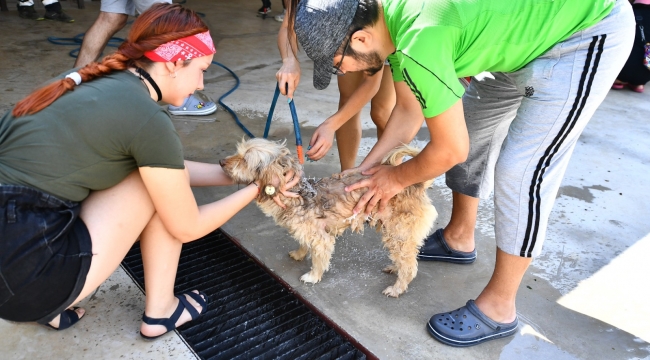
(204, 174)
(289, 74)
(323, 137)
(175, 203)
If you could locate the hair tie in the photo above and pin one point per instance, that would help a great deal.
(75, 77)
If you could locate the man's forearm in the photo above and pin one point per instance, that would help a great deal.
(448, 146)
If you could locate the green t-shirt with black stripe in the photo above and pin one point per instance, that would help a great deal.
(89, 139)
(439, 41)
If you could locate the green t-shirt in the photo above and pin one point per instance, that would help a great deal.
(88, 139)
(439, 41)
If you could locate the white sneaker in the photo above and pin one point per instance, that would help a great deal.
(280, 17)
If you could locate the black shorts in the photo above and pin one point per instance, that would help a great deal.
(45, 254)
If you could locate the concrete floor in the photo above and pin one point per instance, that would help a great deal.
(584, 298)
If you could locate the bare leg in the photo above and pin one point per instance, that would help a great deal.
(115, 218)
(459, 233)
(497, 300)
(160, 274)
(348, 136)
(96, 38)
(382, 104)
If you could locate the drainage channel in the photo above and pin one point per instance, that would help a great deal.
(252, 313)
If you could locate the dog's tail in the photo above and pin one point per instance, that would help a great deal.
(396, 157)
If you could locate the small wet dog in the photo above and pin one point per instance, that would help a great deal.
(324, 209)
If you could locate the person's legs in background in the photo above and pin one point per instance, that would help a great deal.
(111, 19)
(348, 136)
(266, 8)
(98, 35)
(280, 17)
(26, 10)
(382, 104)
(53, 11)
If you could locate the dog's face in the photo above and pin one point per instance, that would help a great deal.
(260, 159)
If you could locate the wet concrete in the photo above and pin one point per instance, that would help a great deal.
(584, 298)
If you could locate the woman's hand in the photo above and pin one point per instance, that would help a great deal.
(291, 179)
(288, 76)
(382, 185)
(321, 142)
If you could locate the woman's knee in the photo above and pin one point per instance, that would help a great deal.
(379, 113)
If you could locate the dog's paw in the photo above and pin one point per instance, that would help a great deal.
(310, 278)
(390, 269)
(297, 255)
(392, 291)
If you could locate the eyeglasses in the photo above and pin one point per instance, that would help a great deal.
(336, 70)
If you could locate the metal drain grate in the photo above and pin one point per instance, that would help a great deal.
(250, 314)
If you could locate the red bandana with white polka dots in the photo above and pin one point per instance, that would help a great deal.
(183, 49)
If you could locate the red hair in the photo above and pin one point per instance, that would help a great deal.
(160, 24)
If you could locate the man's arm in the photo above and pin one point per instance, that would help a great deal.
(402, 126)
(448, 146)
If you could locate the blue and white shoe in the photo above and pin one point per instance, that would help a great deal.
(193, 106)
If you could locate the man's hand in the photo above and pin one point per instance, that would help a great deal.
(383, 184)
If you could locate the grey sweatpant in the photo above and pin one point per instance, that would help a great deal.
(523, 127)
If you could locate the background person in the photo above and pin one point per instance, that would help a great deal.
(636, 71)
(355, 90)
(522, 122)
(53, 11)
(85, 173)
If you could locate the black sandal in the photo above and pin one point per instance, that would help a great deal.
(170, 323)
(67, 318)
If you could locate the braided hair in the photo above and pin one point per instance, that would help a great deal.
(160, 24)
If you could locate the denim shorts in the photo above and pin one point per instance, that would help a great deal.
(45, 254)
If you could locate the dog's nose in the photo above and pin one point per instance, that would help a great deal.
(222, 162)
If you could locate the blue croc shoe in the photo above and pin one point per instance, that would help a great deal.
(193, 106)
(468, 326)
(435, 248)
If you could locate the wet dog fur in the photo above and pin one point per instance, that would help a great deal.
(324, 209)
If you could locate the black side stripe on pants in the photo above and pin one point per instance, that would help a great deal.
(534, 204)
